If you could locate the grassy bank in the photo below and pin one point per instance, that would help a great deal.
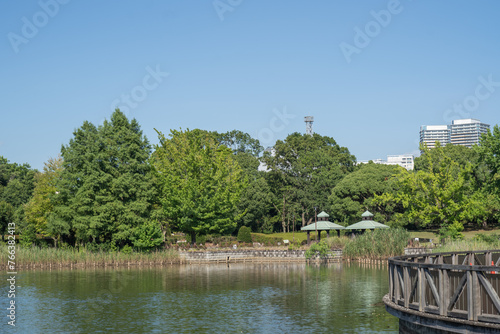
(44, 257)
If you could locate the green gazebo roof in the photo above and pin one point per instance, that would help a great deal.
(366, 225)
(367, 214)
(323, 214)
(322, 226)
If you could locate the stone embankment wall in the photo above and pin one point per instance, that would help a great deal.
(274, 255)
(252, 256)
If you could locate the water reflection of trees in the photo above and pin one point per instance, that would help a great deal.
(296, 296)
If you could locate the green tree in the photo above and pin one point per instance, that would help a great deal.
(488, 151)
(16, 182)
(239, 142)
(458, 153)
(257, 202)
(355, 192)
(441, 196)
(303, 169)
(106, 185)
(201, 183)
(41, 205)
(6, 216)
(16, 188)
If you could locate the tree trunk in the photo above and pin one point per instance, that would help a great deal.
(303, 218)
(193, 238)
(283, 216)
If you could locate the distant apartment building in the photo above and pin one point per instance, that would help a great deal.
(403, 160)
(465, 132)
(430, 134)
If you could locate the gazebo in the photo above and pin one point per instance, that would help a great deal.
(321, 225)
(366, 223)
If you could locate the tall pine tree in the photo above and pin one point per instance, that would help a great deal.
(106, 189)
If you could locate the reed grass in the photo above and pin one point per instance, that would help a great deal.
(466, 245)
(337, 242)
(40, 257)
(377, 244)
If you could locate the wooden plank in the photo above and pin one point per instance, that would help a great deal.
(477, 262)
(397, 287)
(430, 281)
(402, 285)
(421, 292)
(457, 292)
(489, 318)
(471, 315)
(391, 283)
(489, 290)
(476, 295)
(407, 288)
(444, 284)
(414, 288)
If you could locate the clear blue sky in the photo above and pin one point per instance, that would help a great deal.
(238, 64)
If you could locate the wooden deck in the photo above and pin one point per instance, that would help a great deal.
(458, 285)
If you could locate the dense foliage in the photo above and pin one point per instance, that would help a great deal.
(302, 170)
(354, 194)
(200, 182)
(109, 190)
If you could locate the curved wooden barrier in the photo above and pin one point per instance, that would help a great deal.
(461, 287)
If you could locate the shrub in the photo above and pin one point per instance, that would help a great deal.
(266, 240)
(489, 239)
(320, 249)
(126, 249)
(148, 236)
(244, 234)
(452, 232)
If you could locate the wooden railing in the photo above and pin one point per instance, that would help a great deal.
(463, 285)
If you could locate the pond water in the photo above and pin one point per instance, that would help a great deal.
(234, 298)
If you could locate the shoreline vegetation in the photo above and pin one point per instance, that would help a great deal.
(111, 198)
(35, 257)
(377, 245)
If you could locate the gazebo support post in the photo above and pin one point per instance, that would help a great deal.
(338, 233)
(327, 234)
(308, 237)
(319, 236)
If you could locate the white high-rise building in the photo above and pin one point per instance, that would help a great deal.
(430, 134)
(465, 132)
